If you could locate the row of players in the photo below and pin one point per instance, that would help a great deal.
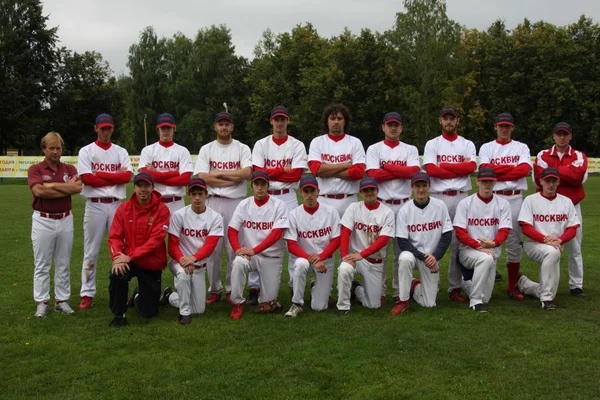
(336, 158)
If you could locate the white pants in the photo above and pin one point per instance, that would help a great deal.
(425, 294)
(190, 297)
(269, 272)
(575, 257)
(97, 220)
(549, 259)
(51, 238)
(394, 244)
(339, 204)
(291, 202)
(369, 294)
(481, 285)
(321, 291)
(515, 236)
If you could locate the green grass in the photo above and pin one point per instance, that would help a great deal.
(514, 351)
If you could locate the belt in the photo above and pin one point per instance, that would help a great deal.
(170, 199)
(103, 199)
(278, 192)
(55, 215)
(337, 196)
(395, 201)
(200, 266)
(374, 260)
(507, 192)
(452, 192)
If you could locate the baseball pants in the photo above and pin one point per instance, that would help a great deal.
(339, 204)
(175, 205)
(425, 294)
(97, 220)
(481, 285)
(51, 237)
(369, 294)
(269, 272)
(321, 291)
(575, 257)
(291, 202)
(190, 296)
(549, 259)
(515, 237)
(394, 244)
(149, 283)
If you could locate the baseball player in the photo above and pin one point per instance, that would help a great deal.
(449, 160)
(104, 168)
(137, 246)
(549, 221)
(511, 161)
(225, 164)
(572, 168)
(366, 229)
(52, 184)
(482, 222)
(313, 237)
(284, 159)
(392, 163)
(255, 233)
(424, 232)
(194, 232)
(169, 164)
(337, 159)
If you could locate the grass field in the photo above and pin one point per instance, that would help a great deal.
(514, 351)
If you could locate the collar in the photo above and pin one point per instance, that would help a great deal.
(554, 151)
(48, 166)
(262, 202)
(372, 207)
(311, 211)
(546, 197)
(500, 142)
(279, 142)
(486, 201)
(422, 206)
(336, 138)
(450, 138)
(391, 143)
(166, 144)
(103, 146)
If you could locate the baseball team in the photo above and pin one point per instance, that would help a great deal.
(423, 208)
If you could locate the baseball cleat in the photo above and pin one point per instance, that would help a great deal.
(63, 307)
(400, 307)
(515, 294)
(577, 292)
(294, 311)
(131, 301)
(355, 284)
(237, 311)
(86, 303)
(479, 308)
(164, 297)
(185, 319)
(118, 322)
(548, 305)
(213, 298)
(253, 297)
(456, 296)
(343, 312)
(42, 310)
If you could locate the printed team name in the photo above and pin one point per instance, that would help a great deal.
(483, 221)
(550, 217)
(359, 226)
(199, 233)
(277, 163)
(426, 227)
(106, 167)
(450, 158)
(170, 165)
(398, 163)
(505, 160)
(342, 158)
(315, 234)
(261, 226)
(225, 165)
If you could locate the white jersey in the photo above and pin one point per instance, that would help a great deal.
(268, 154)
(255, 223)
(166, 159)
(327, 151)
(224, 157)
(440, 150)
(93, 158)
(483, 220)
(192, 229)
(403, 155)
(313, 232)
(423, 227)
(549, 217)
(367, 226)
(511, 153)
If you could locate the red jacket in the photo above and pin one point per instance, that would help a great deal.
(139, 232)
(572, 169)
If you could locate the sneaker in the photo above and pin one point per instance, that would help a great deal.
(577, 292)
(498, 277)
(185, 319)
(479, 308)
(213, 298)
(86, 303)
(515, 294)
(400, 307)
(164, 297)
(131, 301)
(455, 295)
(42, 310)
(343, 312)
(295, 309)
(118, 322)
(548, 305)
(237, 311)
(413, 285)
(355, 284)
(253, 297)
(63, 307)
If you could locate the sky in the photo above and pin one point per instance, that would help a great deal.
(111, 26)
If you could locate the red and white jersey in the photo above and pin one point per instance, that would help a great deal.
(440, 150)
(423, 227)
(192, 229)
(166, 159)
(511, 153)
(268, 154)
(572, 167)
(224, 157)
(255, 223)
(483, 220)
(549, 217)
(367, 225)
(403, 155)
(313, 232)
(93, 158)
(326, 151)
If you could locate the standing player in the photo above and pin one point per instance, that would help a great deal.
(449, 160)
(392, 163)
(511, 161)
(313, 237)
(254, 233)
(104, 168)
(482, 222)
(367, 227)
(225, 164)
(548, 220)
(169, 164)
(52, 184)
(424, 232)
(572, 168)
(337, 159)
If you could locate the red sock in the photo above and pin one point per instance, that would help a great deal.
(513, 274)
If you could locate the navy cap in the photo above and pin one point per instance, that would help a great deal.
(368, 182)
(486, 174)
(280, 111)
(562, 126)
(310, 181)
(196, 182)
(143, 176)
(504, 119)
(223, 116)
(165, 119)
(550, 172)
(259, 174)
(419, 177)
(392, 117)
(103, 120)
(449, 110)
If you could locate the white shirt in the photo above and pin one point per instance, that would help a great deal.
(268, 154)
(512, 153)
(441, 150)
(549, 217)
(404, 155)
(367, 226)
(192, 229)
(93, 158)
(166, 159)
(313, 232)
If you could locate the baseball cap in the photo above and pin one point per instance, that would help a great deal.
(196, 182)
(449, 110)
(368, 182)
(310, 181)
(165, 119)
(549, 172)
(504, 119)
(280, 111)
(223, 116)
(562, 126)
(103, 120)
(392, 117)
(419, 177)
(259, 174)
(143, 176)
(486, 174)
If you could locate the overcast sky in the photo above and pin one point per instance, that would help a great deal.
(111, 26)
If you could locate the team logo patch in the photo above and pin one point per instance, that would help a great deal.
(66, 178)
(150, 220)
